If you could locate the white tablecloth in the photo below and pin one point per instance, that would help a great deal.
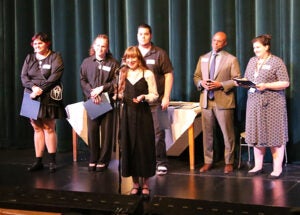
(181, 115)
(77, 117)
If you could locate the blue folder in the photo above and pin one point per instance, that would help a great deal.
(95, 110)
(30, 107)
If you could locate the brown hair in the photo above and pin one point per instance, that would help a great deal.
(131, 52)
(264, 39)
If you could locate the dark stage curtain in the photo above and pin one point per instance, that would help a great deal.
(182, 27)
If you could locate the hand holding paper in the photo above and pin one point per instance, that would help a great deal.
(95, 110)
(29, 108)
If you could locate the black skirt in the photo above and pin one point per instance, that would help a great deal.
(50, 108)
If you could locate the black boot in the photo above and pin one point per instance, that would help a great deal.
(52, 167)
(52, 162)
(37, 165)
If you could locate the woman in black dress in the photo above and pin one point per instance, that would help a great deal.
(41, 78)
(137, 89)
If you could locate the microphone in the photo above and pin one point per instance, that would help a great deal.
(122, 65)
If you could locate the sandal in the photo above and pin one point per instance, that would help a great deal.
(135, 191)
(145, 193)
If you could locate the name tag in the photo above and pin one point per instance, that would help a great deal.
(267, 67)
(252, 90)
(150, 61)
(46, 66)
(204, 59)
(106, 68)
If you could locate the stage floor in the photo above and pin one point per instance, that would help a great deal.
(180, 182)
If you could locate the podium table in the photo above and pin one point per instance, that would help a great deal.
(185, 125)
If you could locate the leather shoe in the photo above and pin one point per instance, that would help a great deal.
(255, 173)
(205, 167)
(35, 167)
(101, 167)
(228, 168)
(52, 167)
(92, 167)
(275, 176)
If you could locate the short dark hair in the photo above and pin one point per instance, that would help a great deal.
(41, 36)
(144, 25)
(264, 39)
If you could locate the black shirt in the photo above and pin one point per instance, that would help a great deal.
(159, 62)
(94, 73)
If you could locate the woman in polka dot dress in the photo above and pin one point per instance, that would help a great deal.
(266, 115)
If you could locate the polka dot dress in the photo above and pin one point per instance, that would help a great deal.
(266, 115)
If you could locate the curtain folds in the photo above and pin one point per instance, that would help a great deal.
(182, 27)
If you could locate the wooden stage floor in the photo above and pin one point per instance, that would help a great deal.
(180, 184)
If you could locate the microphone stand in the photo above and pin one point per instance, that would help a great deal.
(116, 128)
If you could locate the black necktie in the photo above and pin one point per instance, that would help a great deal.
(211, 74)
(99, 73)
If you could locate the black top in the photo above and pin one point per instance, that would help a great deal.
(94, 73)
(46, 74)
(159, 62)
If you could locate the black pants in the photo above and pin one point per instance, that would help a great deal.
(100, 138)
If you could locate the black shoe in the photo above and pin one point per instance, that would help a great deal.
(275, 176)
(258, 172)
(101, 167)
(92, 167)
(52, 167)
(35, 167)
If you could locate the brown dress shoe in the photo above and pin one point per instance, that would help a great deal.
(205, 167)
(228, 168)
